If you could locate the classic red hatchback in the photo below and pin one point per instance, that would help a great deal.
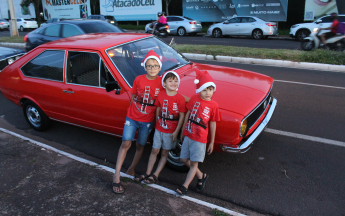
(66, 80)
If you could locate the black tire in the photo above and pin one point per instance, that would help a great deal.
(174, 162)
(193, 34)
(301, 34)
(307, 45)
(36, 118)
(21, 28)
(217, 33)
(165, 33)
(265, 37)
(257, 34)
(181, 31)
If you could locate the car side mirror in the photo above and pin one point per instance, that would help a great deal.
(226, 22)
(109, 86)
(318, 21)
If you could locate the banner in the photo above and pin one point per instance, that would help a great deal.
(318, 8)
(25, 11)
(219, 10)
(69, 9)
(131, 10)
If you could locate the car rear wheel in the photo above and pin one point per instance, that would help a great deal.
(21, 28)
(301, 34)
(174, 162)
(36, 118)
(257, 34)
(217, 33)
(181, 31)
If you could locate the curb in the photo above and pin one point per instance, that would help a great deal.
(269, 62)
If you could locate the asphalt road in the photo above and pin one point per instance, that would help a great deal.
(270, 43)
(280, 175)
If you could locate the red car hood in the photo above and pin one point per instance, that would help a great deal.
(238, 91)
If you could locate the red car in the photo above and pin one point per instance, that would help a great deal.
(86, 80)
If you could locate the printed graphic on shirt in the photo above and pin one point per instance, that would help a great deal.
(195, 119)
(144, 103)
(165, 116)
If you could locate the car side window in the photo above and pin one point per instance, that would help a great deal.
(341, 18)
(83, 68)
(18, 20)
(251, 19)
(179, 19)
(235, 20)
(53, 31)
(106, 76)
(326, 19)
(169, 19)
(69, 31)
(47, 65)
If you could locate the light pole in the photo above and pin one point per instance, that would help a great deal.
(13, 19)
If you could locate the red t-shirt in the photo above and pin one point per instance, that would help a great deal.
(169, 114)
(143, 106)
(335, 25)
(201, 112)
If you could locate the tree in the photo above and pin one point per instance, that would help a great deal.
(36, 3)
(167, 2)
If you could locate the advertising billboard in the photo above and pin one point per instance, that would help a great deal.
(219, 10)
(319, 8)
(25, 11)
(131, 10)
(69, 9)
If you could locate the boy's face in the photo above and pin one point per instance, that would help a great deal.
(152, 67)
(171, 84)
(207, 93)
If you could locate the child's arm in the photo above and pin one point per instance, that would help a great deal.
(179, 125)
(184, 124)
(133, 95)
(213, 134)
(157, 113)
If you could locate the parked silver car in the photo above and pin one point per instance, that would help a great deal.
(244, 26)
(4, 24)
(180, 25)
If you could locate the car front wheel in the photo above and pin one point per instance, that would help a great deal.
(217, 33)
(181, 31)
(301, 34)
(257, 34)
(174, 162)
(36, 118)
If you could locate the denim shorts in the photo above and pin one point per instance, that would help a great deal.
(193, 150)
(163, 140)
(131, 126)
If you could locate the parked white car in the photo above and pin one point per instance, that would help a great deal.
(4, 24)
(302, 30)
(24, 24)
(180, 25)
(244, 26)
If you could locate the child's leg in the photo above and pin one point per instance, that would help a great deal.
(187, 162)
(126, 144)
(152, 160)
(162, 162)
(138, 153)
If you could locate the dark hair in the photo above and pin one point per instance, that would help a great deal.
(170, 75)
(210, 87)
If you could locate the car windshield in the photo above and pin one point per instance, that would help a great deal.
(99, 27)
(109, 17)
(128, 57)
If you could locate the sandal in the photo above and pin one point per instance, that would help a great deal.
(139, 178)
(200, 187)
(118, 185)
(182, 190)
(148, 180)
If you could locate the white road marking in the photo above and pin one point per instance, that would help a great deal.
(306, 137)
(102, 167)
(301, 83)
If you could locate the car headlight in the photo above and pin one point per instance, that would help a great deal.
(10, 61)
(243, 127)
(294, 26)
(315, 29)
(17, 57)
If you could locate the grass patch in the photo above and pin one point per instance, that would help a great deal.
(15, 39)
(284, 32)
(217, 212)
(316, 56)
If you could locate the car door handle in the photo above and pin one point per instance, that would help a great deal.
(66, 91)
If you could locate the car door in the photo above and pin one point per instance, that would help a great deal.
(232, 27)
(173, 24)
(247, 25)
(85, 97)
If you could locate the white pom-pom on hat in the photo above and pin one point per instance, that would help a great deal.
(196, 81)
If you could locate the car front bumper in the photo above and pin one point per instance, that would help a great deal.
(246, 145)
(4, 26)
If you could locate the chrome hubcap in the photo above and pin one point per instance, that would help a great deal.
(33, 116)
(181, 31)
(257, 34)
(174, 155)
(216, 33)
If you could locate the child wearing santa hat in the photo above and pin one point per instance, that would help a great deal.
(202, 112)
(140, 115)
(171, 107)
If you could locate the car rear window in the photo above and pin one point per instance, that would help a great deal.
(187, 18)
(109, 17)
(98, 27)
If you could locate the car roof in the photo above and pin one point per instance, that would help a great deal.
(95, 41)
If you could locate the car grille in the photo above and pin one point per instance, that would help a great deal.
(254, 116)
(3, 64)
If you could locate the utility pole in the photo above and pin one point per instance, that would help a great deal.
(13, 19)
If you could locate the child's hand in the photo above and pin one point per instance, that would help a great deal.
(210, 148)
(174, 136)
(182, 137)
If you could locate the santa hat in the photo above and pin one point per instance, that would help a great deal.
(152, 55)
(203, 80)
(173, 72)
